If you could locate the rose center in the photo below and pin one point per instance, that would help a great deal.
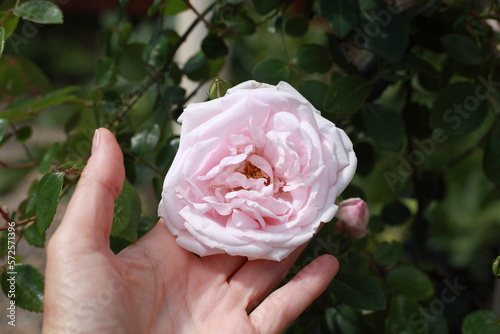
(254, 172)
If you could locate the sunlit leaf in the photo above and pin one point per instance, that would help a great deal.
(39, 11)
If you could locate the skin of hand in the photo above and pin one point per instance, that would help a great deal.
(155, 286)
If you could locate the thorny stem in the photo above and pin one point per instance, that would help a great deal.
(200, 16)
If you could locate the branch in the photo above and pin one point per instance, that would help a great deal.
(19, 223)
(18, 165)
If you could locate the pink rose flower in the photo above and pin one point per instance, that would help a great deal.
(353, 217)
(256, 173)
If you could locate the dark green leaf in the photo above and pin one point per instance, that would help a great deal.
(213, 46)
(38, 11)
(199, 67)
(241, 24)
(167, 154)
(154, 7)
(314, 91)
(347, 95)
(385, 126)
(175, 94)
(387, 254)
(483, 321)
(413, 63)
(146, 140)
(127, 213)
(4, 124)
(359, 291)
(49, 189)
(405, 316)
(385, 35)
(25, 287)
(174, 7)
(395, 213)
(9, 23)
(341, 14)
(313, 58)
(34, 237)
(265, 6)
(461, 48)
(105, 72)
(146, 225)
(157, 50)
(366, 158)
(47, 158)
(410, 282)
(491, 157)
(296, 26)
(271, 71)
(457, 110)
(24, 133)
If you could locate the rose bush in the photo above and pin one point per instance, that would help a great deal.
(353, 217)
(256, 173)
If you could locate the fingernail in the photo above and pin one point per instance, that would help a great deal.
(95, 141)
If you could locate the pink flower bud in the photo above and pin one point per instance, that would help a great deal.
(353, 217)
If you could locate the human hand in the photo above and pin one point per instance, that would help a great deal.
(155, 286)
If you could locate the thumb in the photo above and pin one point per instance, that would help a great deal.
(87, 222)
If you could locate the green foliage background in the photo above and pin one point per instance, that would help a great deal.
(415, 84)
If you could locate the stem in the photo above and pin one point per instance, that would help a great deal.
(19, 223)
(4, 214)
(156, 77)
(201, 17)
(143, 162)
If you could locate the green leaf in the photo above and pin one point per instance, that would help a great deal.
(213, 46)
(347, 95)
(174, 7)
(167, 153)
(461, 48)
(39, 11)
(386, 35)
(297, 26)
(482, 321)
(457, 110)
(491, 157)
(72, 122)
(410, 282)
(405, 316)
(34, 237)
(385, 126)
(241, 24)
(175, 94)
(199, 67)
(157, 50)
(313, 58)
(9, 23)
(127, 213)
(271, 71)
(49, 189)
(387, 254)
(396, 213)
(105, 72)
(314, 91)
(358, 291)
(24, 133)
(4, 124)
(341, 14)
(25, 287)
(146, 140)
(263, 7)
(19, 76)
(2, 40)
(48, 157)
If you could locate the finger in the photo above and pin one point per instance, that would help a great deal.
(284, 305)
(256, 279)
(224, 264)
(88, 218)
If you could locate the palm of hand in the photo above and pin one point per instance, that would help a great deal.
(154, 286)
